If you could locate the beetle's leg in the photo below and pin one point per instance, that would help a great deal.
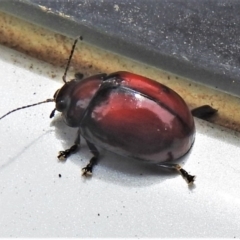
(189, 178)
(63, 155)
(93, 161)
(204, 112)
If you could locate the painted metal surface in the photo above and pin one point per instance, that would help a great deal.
(41, 197)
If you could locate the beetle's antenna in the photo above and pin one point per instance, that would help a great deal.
(70, 58)
(14, 110)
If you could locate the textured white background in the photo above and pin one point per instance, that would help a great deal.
(124, 198)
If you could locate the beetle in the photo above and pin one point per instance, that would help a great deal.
(128, 114)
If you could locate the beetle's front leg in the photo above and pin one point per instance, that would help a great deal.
(93, 161)
(63, 155)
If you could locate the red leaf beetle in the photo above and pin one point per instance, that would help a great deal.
(127, 114)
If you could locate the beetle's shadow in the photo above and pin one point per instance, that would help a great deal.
(112, 167)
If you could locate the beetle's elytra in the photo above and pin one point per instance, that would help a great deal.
(127, 114)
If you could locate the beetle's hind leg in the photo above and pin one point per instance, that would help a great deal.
(189, 178)
(63, 155)
(204, 112)
(93, 161)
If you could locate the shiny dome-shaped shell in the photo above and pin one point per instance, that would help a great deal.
(140, 118)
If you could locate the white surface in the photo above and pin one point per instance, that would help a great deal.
(121, 199)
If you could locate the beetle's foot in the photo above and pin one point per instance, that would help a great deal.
(189, 178)
(63, 155)
(87, 171)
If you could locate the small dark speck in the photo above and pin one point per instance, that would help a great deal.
(176, 77)
(98, 214)
(90, 66)
(34, 93)
(189, 84)
(168, 78)
(140, 174)
(59, 175)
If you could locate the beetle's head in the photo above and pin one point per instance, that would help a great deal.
(62, 95)
(63, 98)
